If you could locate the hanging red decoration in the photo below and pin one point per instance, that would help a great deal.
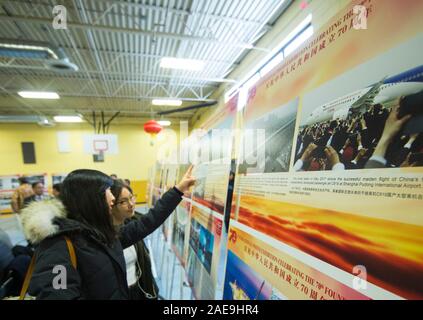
(152, 127)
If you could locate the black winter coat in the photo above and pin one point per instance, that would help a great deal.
(101, 270)
(146, 280)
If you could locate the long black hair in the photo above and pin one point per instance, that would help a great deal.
(83, 195)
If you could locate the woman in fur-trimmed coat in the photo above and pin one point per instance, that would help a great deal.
(84, 215)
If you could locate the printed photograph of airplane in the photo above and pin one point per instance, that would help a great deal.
(356, 130)
(386, 90)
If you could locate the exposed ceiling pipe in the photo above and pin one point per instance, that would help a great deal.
(40, 120)
(55, 58)
(197, 106)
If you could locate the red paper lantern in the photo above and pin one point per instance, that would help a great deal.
(152, 127)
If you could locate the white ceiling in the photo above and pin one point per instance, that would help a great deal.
(117, 46)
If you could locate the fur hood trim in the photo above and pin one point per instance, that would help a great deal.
(38, 219)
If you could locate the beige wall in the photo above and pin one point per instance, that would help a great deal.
(134, 158)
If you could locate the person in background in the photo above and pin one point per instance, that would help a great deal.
(6, 255)
(128, 182)
(14, 263)
(137, 257)
(310, 162)
(84, 217)
(114, 176)
(38, 193)
(392, 126)
(56, 190)
(21, 193)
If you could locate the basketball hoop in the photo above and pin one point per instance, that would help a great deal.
(100, 146)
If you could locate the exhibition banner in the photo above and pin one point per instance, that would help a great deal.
(203, 253)
(259, 268)
(335, 190)
(211, 147)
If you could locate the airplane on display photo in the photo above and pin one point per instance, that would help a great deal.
(387, 89)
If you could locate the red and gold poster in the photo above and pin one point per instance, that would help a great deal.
(203, 252)
(329, 188)
(211, 147)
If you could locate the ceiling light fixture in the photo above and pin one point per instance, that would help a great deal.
(68, 119)
(166, 102)
(38, 95)
(184, 64)
(164, 123)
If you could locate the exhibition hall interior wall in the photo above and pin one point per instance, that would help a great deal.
(316, 190)
(61, 149)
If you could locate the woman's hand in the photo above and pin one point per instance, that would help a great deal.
(187, 181)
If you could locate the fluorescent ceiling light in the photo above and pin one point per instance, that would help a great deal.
(164, 123)
(252, 81)
(294, 33)
(242, 98)
(229, 94)
(38, 95)
(166, 102)
(272, 64)
(70, 119)
(185, 64)
(299, 41)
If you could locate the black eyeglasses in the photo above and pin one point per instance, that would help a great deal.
(127, 202)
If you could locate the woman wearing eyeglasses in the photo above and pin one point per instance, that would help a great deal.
(137, 257)
(82, 220)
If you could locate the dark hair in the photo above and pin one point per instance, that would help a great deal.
(117, 187)
(23, 180)
(57, 187)
(128, 182)
(377, 107)
(83, 195)
(36, 183)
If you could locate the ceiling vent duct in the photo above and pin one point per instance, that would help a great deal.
(46, 122)
(40, 120)
(54, 58)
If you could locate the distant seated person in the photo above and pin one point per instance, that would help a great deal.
(38, 189)
(56, 190)
(20, 194)
(114, 176)
(127, 182)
